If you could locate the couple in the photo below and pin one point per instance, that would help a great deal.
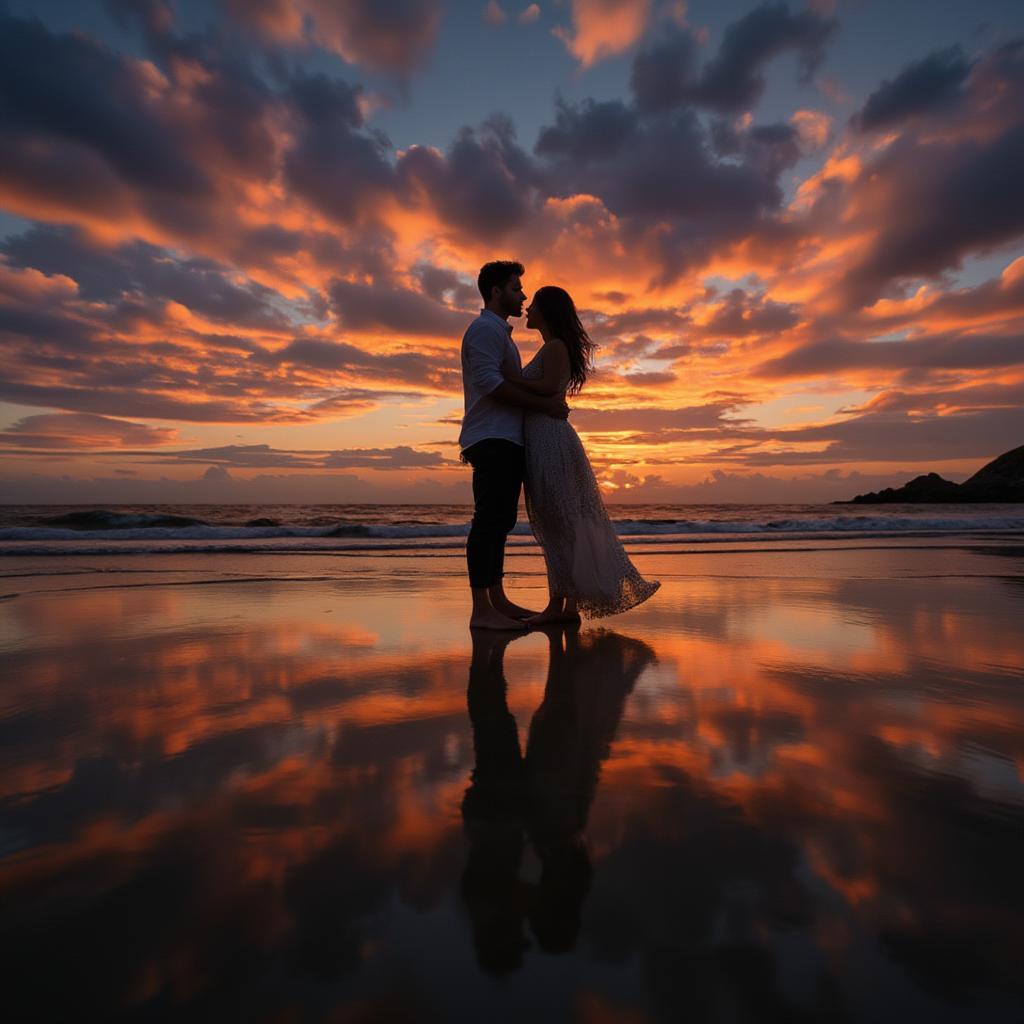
(516, 432)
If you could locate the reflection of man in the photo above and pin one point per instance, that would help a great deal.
(545, 796)
(494, 812)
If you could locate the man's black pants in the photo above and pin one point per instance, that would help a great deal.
(498, 467)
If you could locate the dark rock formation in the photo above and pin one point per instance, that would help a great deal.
(1001, 480)
(930, 487)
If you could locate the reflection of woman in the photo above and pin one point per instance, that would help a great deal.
(546, 795)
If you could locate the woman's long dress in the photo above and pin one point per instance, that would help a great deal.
(585, 559)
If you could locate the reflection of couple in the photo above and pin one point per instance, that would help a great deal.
(544, 796)
(516, 431)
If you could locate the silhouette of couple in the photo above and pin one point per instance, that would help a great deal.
(541, 798)
(516, 436)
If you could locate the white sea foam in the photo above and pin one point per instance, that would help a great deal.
(254, 529)
(842, 524)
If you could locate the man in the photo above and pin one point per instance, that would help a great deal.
(492, 440)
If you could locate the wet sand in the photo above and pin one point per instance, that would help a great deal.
(790, 787)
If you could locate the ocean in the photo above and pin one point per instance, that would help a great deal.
(53, 530)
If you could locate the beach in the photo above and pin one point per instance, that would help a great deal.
(303, 303)
(276, 777)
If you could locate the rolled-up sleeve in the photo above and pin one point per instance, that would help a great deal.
(485, 351)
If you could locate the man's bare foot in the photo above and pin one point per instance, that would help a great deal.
(493, 619)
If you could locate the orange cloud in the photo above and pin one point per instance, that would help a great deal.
(814, 127)
(603, 28)
(83, 430)
(360, 31)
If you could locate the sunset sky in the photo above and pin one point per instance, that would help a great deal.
(239, 240)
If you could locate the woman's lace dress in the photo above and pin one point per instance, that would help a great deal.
(585, 559)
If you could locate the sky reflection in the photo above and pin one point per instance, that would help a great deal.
(791, 797)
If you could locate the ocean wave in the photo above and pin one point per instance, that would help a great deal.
(826, 524)
(437, 547)
(102, 519)
(79, 526)
(211, 532)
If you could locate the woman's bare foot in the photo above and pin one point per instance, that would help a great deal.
(544, 618)
(558, 610)
(493, 619)
(513, 610)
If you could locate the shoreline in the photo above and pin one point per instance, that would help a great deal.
(899, 557)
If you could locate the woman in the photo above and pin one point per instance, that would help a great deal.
(588, 570)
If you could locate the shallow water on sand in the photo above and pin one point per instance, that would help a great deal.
(790, 787)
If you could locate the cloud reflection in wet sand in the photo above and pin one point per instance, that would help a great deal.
(795, 798)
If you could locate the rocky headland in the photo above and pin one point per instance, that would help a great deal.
(1002, 479)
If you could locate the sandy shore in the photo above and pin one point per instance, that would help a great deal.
(792, 783)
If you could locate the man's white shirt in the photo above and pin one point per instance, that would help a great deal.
(487, 346)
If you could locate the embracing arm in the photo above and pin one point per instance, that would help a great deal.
(486, 353)
(513, 394)
(556, 364)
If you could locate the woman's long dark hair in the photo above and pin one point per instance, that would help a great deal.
(559, 312)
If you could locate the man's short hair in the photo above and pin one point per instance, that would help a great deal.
(495, 274)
